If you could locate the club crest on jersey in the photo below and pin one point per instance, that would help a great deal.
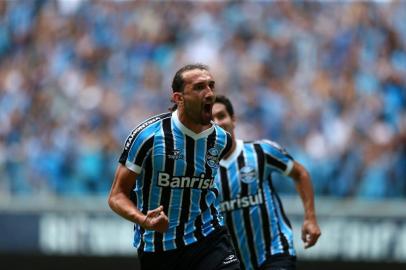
(176, 154)
(212, 157)
(247, 174)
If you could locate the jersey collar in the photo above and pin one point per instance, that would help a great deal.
(189, 132)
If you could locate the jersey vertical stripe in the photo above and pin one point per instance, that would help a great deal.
(235, 217)
(255, 213)
(182, 196)
(215, 209)
(187, 195)
(284, 226)
(225, 195)
(176, 194)
(176, 169)
(166, 191)
(252, 208)
(142, 189)
(210, 214)
(200, 148)
(246, 214)
(264, 213)
(281, 244)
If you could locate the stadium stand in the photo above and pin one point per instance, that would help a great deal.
(326, 80)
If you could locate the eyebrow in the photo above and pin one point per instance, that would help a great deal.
(204, 82)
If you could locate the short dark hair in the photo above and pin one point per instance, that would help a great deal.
(178, 83)
(226, 102)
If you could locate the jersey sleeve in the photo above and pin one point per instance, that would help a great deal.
(137, 147)
(277, 157)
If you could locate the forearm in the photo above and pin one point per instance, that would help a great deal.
(310, 228)
(304, 188)
(119, 197)
(123, 206)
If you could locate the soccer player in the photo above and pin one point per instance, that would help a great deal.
(164, 182)
(254, 215)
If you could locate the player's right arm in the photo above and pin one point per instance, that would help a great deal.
(280, 159)
(310, 228)
(120, 202)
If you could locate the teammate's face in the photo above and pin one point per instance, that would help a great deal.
(222, 118)
(198, 96)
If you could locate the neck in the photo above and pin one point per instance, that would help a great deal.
(190, 124)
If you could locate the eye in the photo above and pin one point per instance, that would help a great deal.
(212, 85)
(199, 86)
(221, 116)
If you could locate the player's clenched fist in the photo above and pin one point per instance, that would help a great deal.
(310, 233)
(156, 220)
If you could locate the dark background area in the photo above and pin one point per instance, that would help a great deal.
(39, 262)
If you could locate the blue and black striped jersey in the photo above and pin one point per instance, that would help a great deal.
(253, 211)
(176, 168)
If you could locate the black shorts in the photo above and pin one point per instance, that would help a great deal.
(279, 262)
(214, 252)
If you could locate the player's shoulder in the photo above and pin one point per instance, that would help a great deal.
(262, 143)
(273, 147)
(266, 145)
(144, 128)
(150, 121)
(270, 143)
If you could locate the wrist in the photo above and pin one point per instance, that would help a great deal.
(310, 216)
(144, 222)
(138, 218)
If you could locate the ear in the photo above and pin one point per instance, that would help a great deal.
(177, 97)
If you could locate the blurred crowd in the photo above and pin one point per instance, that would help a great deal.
(327, 80)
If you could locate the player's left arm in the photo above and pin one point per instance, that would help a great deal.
(310, 229)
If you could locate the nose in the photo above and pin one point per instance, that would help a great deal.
(210, 94)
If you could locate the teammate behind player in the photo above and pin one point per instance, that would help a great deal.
(164, 182)
(259, 228)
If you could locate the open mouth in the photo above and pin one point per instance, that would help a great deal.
(207, 107)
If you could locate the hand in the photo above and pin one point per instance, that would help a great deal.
(156, 220)
(310, 233)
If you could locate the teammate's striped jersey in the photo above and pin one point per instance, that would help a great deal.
(176, 169)
(252, 209)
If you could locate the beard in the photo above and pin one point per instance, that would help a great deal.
(201, 115)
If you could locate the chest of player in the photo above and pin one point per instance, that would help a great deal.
(244, 179)
(197, 156)
(241, 187)
(184, 162)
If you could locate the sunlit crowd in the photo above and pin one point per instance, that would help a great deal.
(326, 80)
